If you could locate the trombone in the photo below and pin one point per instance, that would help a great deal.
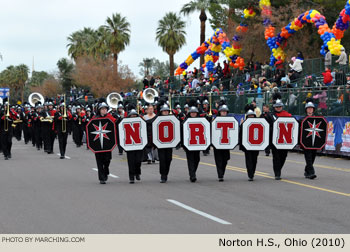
(6, 121)
(64, 117)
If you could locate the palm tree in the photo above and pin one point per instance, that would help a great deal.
(202, 6)
(22, 77)
(82, 42)
(170, 35)
(117, 34)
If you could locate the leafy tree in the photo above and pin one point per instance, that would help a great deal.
(170, 35)
(66, 68)
(38, 78)
(155, 67)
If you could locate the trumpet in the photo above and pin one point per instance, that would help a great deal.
(64, 117)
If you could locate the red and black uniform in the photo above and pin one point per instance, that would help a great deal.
(46, 128)
(278, 156)
(78, 131)
(251, 157)
(6, 131)
(27, 126)
(103, 159)
(52, 113)
(37, 130)
(62, 133)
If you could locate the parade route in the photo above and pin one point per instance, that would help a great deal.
(42, 194)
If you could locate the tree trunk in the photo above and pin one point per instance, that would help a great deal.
(171, 65)
(203, 19)
(230, 24)
(115, 56)
(22, 92)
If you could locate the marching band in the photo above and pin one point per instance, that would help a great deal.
(150, 133)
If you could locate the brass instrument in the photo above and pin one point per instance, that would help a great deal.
(34, 98)
(113, 99)
(79, 118)
(210, 113)
(149, 94)
(64, 117)
(6, 122)
(46, 119)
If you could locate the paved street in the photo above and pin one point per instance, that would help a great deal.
(40, 193)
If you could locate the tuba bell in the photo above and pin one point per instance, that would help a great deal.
(149, 94)
(113, 99)
(34, 98)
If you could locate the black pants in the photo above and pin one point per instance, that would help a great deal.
(18, 131)
(52, 140)
(193, 158)
(6, 142)
(165, 157)
(251, 159)
(268, 150)
(26, 133)
(221, 158)
(310, 156)
(62, 142)
(120, 149)
(134, 163)
(103, 160)
(78, 134)
(32, 135)
(45, 133)
(38, 138)
(278, 159)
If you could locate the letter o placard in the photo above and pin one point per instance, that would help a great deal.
(133, 134)
(166, 132)
(285, 133)
(196, 134)
(255, 134)
(224, 132)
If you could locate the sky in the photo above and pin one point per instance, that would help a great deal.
(39, 29)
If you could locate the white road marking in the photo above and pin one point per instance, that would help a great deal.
(111, 175)
(221, 221)
(64, 156)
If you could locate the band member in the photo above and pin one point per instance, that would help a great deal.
(78, 126)
(18, 124)
(61, 119)
(27, 124)
(32, 130)
(6, 130)
(88, 116)
(52, 133)
(193, 157)
(46, 127)
(37, 127)
(278, 156)
(103, 159)
(150, 150)
(310, 155)
(166, 154)
(134, 157)
(251, 157)
(221, 156)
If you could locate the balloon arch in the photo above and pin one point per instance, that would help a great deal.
(220, 43)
